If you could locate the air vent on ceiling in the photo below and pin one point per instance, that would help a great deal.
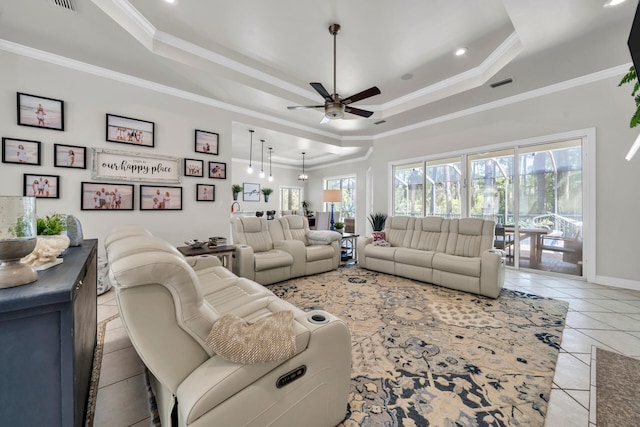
(69, 5)
(379, 122)
(501, 82)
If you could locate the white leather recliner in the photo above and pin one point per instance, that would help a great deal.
(168, 307)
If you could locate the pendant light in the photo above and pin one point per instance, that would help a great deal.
(250, 168)
(303, 176)
(270, 174)
(262, 161)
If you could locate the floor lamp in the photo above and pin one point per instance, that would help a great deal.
(332, 196)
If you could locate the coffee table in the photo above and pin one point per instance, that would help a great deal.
(224, 252)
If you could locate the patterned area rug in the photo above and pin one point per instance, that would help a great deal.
(430, 356)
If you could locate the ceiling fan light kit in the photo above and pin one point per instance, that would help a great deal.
(335, 106)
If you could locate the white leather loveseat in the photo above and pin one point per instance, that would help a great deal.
(169, 304)
(277, 250)
(455, 253)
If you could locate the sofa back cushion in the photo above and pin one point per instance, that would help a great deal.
(399, 230)
(430, 234)
(252, 231)
(295, 227)
(470, 236)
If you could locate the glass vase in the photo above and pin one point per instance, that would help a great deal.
(17, 239)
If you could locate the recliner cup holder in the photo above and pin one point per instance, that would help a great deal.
(318, 318)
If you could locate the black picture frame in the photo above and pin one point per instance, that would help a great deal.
(40, 112)
(205, 193)
(194, 167)
(217, 170)
(127, 130)
(69, 156)
(41, 186)
(155, 197)
(207, 142)
(106, 196)
(21, 151)
(250, 192)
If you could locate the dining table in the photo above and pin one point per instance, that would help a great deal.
(534, 234)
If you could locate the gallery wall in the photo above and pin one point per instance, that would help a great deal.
(87, 99)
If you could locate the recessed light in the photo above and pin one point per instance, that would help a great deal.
(461, 51)
(170, 1)
(407, 76)
(611, 3)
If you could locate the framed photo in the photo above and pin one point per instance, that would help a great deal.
(206, 142)
(217, 170)
(106, 196)
(250, 192)
(205, 193)
(20, 151)
(40, 112)
(130, 131)
(193, 167)
(69, 156)
(41, 186)
(160, 198)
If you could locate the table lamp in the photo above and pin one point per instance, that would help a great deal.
(332, 196)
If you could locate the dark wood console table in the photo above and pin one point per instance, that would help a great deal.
(47, 340)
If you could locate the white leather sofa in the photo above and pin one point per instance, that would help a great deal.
(455, 253)
(277, 250)
(168, 305)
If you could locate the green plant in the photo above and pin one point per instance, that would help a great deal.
(235, 188)
(305, 205)
(23, 227)
(631, 77)
(51, 224)
(266, 191)
(338, 225)
(377, 220)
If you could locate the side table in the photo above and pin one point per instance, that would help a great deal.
(224, 252)
(350, 244)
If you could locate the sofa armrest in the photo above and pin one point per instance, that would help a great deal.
(297, 250)
(492, 272)
(243, 264)
(201, 262)
(362, 243)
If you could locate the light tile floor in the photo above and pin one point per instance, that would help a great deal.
(598, 316)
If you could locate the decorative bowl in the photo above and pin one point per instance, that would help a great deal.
(195, 243)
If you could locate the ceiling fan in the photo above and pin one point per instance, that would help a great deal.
(335, 106)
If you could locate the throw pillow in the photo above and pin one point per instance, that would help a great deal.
(322, 237)
(378, 235)
(269, 339)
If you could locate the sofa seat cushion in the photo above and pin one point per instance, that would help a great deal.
(319, 252)
(380, 252)
(415, 257)
(272, 259)
(468, 266)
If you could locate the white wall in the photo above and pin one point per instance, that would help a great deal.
(602, 105)
(87, 100)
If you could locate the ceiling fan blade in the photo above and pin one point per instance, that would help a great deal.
(322, 91)
(358, 111)
(296, 107)
(372, 91)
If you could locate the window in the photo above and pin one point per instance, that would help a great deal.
(408, 188)
(290, 198)
(491, 189)
(347, 185)
(443, 192)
